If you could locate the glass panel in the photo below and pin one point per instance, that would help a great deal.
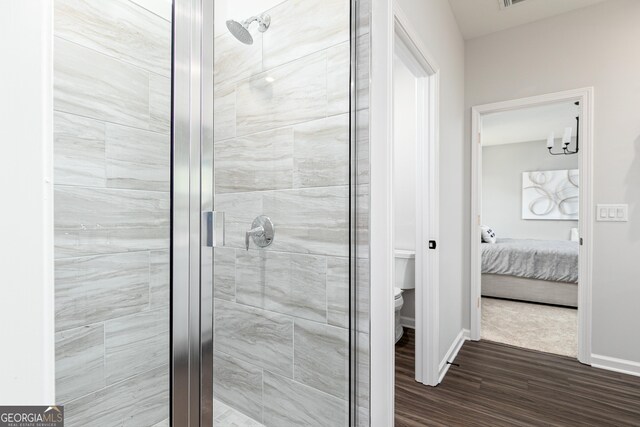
(282, 157)
(112, 100)
(360, 187)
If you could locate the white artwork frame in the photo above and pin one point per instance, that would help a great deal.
(551, 195)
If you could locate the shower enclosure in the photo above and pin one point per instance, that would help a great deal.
(211, 197)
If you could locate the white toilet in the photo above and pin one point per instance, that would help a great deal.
(405, 278)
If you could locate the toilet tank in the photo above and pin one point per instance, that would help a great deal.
(405, 263)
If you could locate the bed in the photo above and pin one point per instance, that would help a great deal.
(543, 271)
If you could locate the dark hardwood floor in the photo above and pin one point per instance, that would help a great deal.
(499, 385)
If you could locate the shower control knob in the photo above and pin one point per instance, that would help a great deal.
(262, 232)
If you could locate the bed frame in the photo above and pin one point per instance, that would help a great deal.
(532, 290)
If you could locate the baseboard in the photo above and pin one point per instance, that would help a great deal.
(451, 354)
(617, 365)
(408, 322)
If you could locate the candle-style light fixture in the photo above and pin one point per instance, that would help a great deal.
(566, 139)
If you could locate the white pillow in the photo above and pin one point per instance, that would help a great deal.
(575, 236)
(487, 234)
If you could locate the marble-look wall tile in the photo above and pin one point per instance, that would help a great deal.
(162, 9)
(118, 28)
(321, 357)
(95, 221)
(224, 273)
(363, 64)
(79, 362)
(363, 14)
(290, 94)
(235, 61)
(163, 423)
(261, 161)
(136, 343)
(313, 220)
(338, 74)
(112, 65)
(137, 159)
(363, 417)
(362, 220)
(71, 243)
(263, 338)
(290, 404)
(138, 401)
(159, 280)
(302, 183)
(224, 112)
(363, 291)
(226, 416)
(321, 152)
(238, 384)
(362, 370)
(338, 293)
(159, 103)
(362, 147)
(79, 150)
(286, 283)
(302, 27)
(240, 209)
(90, 84)
(98, 288)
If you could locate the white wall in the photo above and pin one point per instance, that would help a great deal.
(502, 167)
(404, 167)
(404, 156)
(594, 46)
(438, 29)
(26, 220)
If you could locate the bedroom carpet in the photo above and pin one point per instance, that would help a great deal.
(534, 326)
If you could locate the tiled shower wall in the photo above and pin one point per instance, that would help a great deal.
(112, 64)
(282, 150)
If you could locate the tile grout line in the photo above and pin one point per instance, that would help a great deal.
(229, 83)
(119, 382)
(275, 129)
(109, 122)
(115, 58)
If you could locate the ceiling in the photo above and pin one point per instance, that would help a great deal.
(528, 124)
(481, 17)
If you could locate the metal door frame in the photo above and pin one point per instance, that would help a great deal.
(192, 193)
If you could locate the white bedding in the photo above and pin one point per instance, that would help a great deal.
(553, 260)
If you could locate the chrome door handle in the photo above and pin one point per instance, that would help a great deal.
(262, 232)
(212, 229)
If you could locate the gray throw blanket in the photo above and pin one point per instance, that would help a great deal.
(554, 260)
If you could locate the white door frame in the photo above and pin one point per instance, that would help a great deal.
(409, 49)
(386, 22)
(585, 227)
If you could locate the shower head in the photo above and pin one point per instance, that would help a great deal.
(241, 30)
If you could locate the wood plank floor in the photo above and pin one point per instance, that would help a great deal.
(499, 385)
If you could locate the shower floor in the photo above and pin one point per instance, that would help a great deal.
(226, 416)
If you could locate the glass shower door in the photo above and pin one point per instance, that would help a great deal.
(281, 162)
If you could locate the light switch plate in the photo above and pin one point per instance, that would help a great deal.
(612, 213)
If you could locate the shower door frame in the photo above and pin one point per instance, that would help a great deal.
(192, 194)
(192, 190)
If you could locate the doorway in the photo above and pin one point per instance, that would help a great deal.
(540, 211)
(415, 200)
